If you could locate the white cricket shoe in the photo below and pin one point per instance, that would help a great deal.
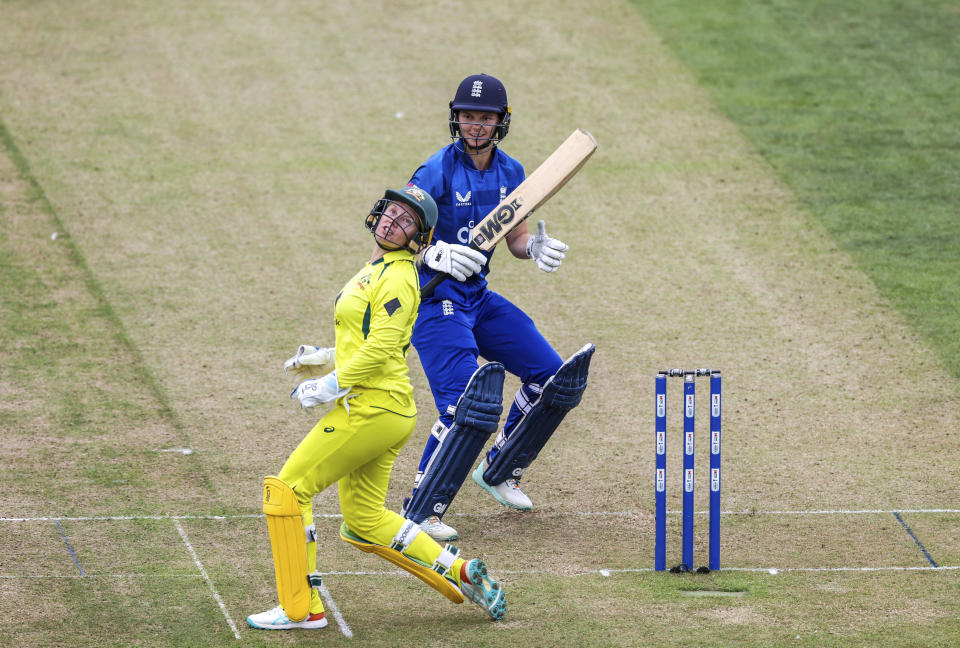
(276, 619)
(508, 493)
(436, 529)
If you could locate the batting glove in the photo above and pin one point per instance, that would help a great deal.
(310, 361)
(547, 252)
(314, 391)
(458, 261)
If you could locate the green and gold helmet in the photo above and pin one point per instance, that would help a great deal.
(420, 203)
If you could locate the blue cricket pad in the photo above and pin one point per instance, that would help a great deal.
(560, 395)
(477, 417)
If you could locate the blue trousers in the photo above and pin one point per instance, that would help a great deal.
(449, 336)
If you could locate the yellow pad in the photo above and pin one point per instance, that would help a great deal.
(288, 540)
(424, 573)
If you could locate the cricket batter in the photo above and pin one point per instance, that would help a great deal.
(463, 319)
(357, 442)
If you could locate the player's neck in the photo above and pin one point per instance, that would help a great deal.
(483, 158)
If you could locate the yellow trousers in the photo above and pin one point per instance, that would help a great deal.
(356, 450)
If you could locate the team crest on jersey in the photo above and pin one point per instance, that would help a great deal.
(463, 201)
(503, 193)
(363, 282)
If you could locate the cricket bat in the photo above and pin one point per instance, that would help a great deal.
(536, 189)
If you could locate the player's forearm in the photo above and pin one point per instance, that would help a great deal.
(517, 241)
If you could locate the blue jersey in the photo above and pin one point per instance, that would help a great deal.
(464, 196)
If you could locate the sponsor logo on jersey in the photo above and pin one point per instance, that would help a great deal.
(463, 200)
(463, 234)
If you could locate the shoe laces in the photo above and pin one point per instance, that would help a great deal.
(514, 484)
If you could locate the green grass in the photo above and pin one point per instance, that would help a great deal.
(855, 105)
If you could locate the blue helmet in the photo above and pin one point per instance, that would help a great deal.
(481, 92)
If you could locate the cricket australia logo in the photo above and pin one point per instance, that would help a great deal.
(476, 89)
(463, 201)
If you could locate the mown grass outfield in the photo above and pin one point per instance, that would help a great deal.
(775, 194)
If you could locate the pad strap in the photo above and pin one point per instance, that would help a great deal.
(405, 536)
(445, 560)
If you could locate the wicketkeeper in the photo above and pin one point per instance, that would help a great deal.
(463, 319)
(357, 442)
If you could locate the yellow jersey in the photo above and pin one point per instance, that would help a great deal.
(374, 317)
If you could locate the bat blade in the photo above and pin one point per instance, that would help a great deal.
(534, 191)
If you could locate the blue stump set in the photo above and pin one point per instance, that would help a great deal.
(689, 444)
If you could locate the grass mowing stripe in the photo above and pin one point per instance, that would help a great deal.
(855, 106)
(104, 308)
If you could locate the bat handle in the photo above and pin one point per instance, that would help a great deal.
(427, 290)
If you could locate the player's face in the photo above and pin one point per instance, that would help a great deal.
(397, 225)
(477, 127)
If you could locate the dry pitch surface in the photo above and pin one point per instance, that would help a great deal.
(207, 169)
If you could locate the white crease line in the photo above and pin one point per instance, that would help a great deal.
(514, 572)
(842, 512)
(344, 628)
(122, 518)
(97, 576)
(844, 569)
(203, 572)
(98, 518)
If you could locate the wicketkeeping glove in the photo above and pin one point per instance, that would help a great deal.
(310, 362)
(547, 252)
(314, 391)
(458, 261)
